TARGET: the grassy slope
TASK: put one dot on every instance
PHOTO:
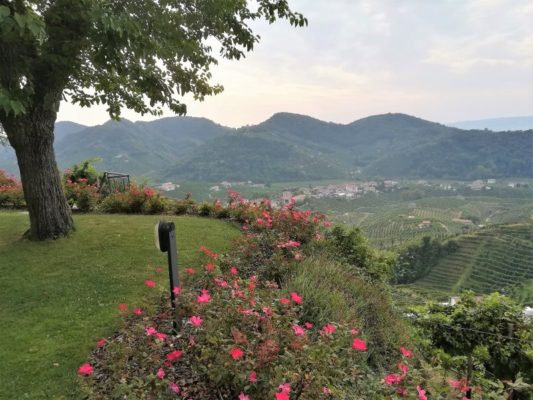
(491, 259)
(58, 298)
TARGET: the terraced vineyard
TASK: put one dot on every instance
(499, 258)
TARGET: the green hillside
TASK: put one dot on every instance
(291, 147)
(499, 258)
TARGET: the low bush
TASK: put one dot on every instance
(11, 194)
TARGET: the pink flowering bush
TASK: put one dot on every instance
(11, 194)
(135, 200)
(82, 194)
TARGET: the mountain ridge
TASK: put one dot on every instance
(289, 146)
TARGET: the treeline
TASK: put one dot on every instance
(415, 261)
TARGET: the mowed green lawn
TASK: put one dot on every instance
(57, 298)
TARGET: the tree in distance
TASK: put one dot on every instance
(137, 54)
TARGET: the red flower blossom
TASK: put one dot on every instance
(296, 298)
(289, 244)
(284, 300)
(392, 379)
(233, 271)
(421, 393)
(252, 377)
(176, 290)
(406, 353)
(359, 344)
(174, 355)
(267, 311)
(205, 297)
(137, 311)
(308, 325)
(196, 321)
(354, 332)
(150, 283)
(326, 390)
(161, 336)
(190, 271)
(174, 388)
(85, 369)
(403, 367)
(282, 396)
(298, 330)
(122, 307)
(101, 343)
(160, 373)
(329, 329)
(209, 267)
(236, 353)
(150, 331)
(243, 396)
(220, 282)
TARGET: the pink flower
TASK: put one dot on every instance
(267, 311)
(243, 396)
(174, 355)
(284, 300)
(326, 390)
(308, 325)
(161, 336)
(285, 387)
(354, 332)
(150, 283)
(282, 396)
(101, 343)
(359, 344)
(421, 393)
(173, 387)
(196, 321)
(205, 297)
(150, 331)
(160, 373)
(176, 290)
(296, 298)
(233, 271)
(329, 329)
(403, 367)
(137, 311)
(190, 271)
(85, 369)
(289, 244)
(209, 267)
(406, 353)
(298, 330)
(220, 282)
(236, 353)
(252, 377)
(122, 307)
(392, 379)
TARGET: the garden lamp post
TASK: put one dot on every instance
(165, 240)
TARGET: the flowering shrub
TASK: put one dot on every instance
(82, 194)
(136, 200)
(11, 194)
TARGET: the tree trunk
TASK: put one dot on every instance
(33, 139)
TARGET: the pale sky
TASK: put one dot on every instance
(441, 60)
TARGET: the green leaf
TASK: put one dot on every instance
(4, 12)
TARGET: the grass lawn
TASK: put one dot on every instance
(58, 298)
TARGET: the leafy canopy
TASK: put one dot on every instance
(139, 54)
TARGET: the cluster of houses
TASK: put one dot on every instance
(347, 190)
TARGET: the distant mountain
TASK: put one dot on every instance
(497, 124)
(140, 148)
(292, 147)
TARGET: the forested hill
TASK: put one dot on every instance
(295, 147)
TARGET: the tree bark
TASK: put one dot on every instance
(33, 139)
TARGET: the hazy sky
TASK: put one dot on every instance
(442, 60)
